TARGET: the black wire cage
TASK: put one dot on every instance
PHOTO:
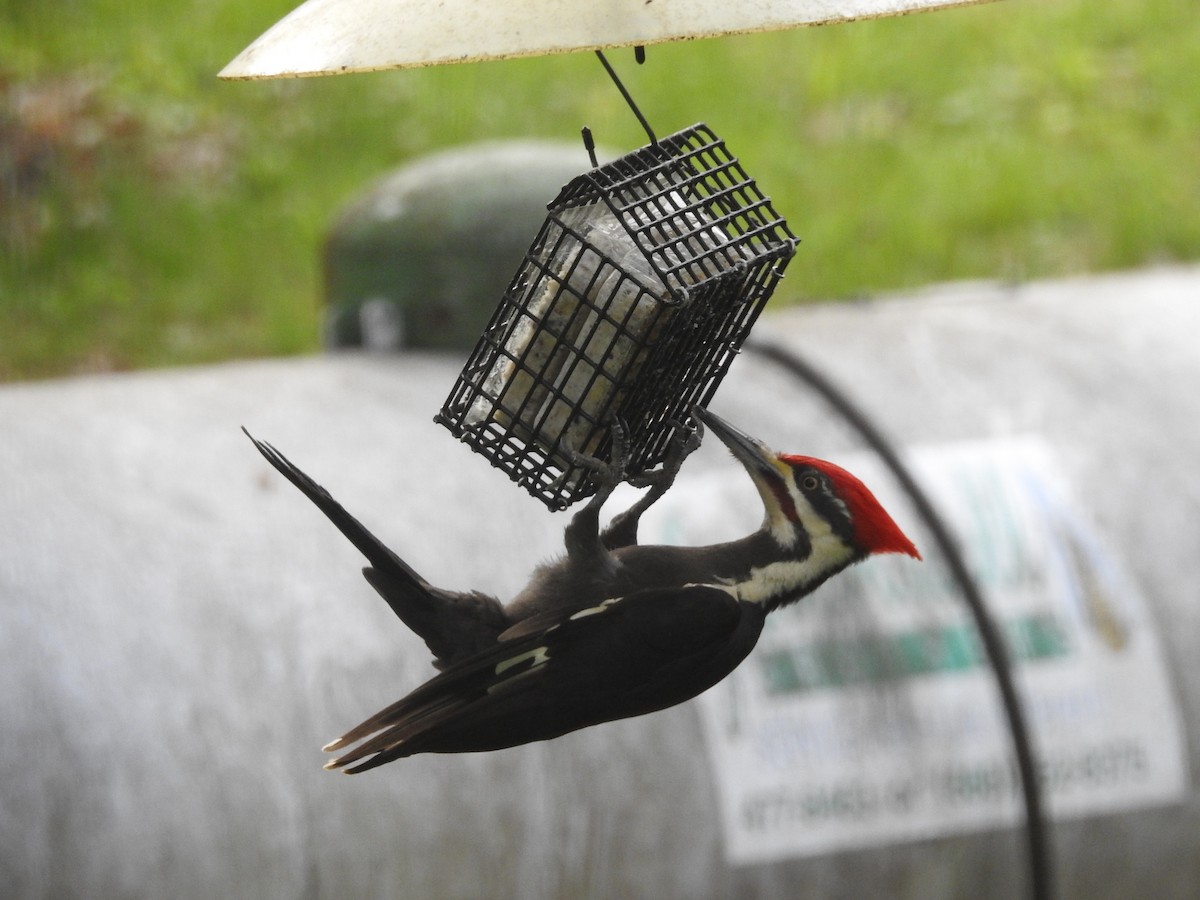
(630, 304)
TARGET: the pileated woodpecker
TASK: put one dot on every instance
(614, 628)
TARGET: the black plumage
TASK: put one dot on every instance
(614, 628)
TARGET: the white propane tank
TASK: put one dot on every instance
(181, 631)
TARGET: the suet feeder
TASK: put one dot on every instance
(630, 304)
(648, 272)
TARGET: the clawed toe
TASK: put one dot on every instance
(622, 531)
(685, 440)
(613, 472)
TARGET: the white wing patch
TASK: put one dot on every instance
(596, 610)
(539, 655)
(536, 657)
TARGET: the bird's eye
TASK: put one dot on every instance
(809, 483)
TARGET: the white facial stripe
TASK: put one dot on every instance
(777, 579)
(814, 523)
(781, 528)
(774, 580)
(841, 504)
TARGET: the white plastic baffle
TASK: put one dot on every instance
(332, 37)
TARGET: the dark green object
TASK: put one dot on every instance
(424, 255)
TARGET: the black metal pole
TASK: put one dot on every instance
(1037, 833)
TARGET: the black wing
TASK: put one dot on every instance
(565, 670)
(454, 626)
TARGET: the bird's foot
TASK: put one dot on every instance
(582, 535)
(611, 473)
(685, 440)
(622, 531)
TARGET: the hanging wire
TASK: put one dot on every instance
(628, 99)
(1037, 834)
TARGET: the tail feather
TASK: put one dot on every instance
(368, 545)
(451, 722)
(462, 709)
(394, 741)
(395, 731)
(454, 626)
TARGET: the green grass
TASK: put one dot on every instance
(151, 215)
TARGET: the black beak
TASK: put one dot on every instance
(757, 457)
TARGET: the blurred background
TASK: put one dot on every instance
(151, 215)
(180, 633)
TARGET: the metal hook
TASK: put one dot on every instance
(628, 99)
(589, 144)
